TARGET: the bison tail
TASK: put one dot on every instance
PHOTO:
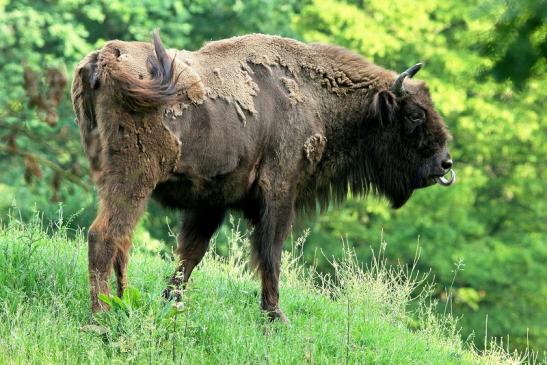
(83, 101)
(138, 94)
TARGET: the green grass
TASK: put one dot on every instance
(363, 318)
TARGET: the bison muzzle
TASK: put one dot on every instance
(265, 125)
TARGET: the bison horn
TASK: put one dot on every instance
(397, 86)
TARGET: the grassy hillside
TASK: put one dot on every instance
(364, 318)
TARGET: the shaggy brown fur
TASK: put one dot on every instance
(263, 124)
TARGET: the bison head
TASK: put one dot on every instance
(409, 145)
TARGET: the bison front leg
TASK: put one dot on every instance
(197, 229)
(270, 231)
(109, 239)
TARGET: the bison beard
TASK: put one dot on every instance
(266, 125)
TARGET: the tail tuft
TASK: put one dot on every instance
(149, 94)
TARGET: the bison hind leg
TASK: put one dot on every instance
(120, 265)
(198, 227)
(109, 240)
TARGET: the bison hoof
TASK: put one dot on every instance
(278, 315)
(172, 294)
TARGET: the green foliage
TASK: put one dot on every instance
(44, 312)
(130, 301)
(518, 44)
(484, 64)
(494, 218)
(234, 17)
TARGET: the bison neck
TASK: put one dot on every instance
(347, 166)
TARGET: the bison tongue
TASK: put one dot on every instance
(444, 182)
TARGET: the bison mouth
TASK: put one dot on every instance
(441, 180)
(399, 198)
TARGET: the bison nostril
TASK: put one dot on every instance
(446, 164)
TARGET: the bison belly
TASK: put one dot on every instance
(219, 153)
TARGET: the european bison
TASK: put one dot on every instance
(266, 125)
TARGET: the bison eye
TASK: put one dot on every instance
(413, 120)
(417, 118)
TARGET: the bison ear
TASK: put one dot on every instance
(383, 107)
